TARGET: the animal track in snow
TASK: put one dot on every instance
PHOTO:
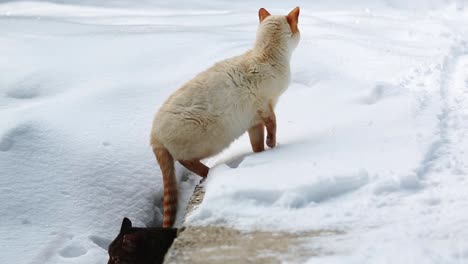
(33, 86)
(431, 201)
(9, 139)
(380, 92)
(73, 251)
(422, 83)
(333, 187)
(320, 191)
(23, 92)
(28, 88)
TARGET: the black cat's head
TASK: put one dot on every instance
(123, 249)
(135, 245)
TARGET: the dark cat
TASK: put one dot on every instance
(136, 245)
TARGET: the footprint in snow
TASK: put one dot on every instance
(305, 78)
(73, 251)
(24, 92)
(27, 88)
(432, 201)
(32, 86)
(381, 91)
(9, 139)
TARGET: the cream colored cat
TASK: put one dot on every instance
(216, 107)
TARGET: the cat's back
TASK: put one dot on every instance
(223, 92)
(224, 81)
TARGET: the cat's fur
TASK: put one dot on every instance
(213, 109)
(136, 245)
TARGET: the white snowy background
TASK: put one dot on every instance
(372, 131)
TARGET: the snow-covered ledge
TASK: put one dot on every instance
(212, 244)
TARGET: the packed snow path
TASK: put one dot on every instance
(372, 131)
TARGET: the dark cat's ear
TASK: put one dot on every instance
(129, 241)
(293, 19)
(126, 225)
(262, 14)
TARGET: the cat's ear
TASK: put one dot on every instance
(262, 14)
(293, 19)
(129, 242)
(126, 225)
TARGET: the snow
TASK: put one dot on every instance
(372, 130)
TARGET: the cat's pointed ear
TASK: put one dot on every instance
(129, 242)
(126, 225)
(262, 14)
(293, 19)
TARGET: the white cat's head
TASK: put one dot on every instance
(279, 30)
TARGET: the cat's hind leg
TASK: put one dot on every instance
(195, 166)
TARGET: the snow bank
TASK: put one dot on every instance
(364, 144)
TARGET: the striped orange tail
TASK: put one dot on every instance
(166, 162)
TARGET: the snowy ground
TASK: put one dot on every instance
(372, 132)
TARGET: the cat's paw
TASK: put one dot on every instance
(271, 141)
